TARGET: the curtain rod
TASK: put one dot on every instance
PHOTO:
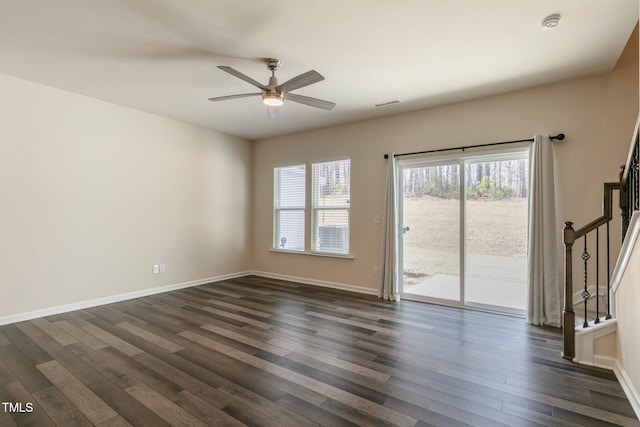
(559, 137)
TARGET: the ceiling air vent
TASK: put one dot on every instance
(384, 104)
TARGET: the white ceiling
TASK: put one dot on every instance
(160, 56)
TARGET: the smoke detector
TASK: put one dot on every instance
(550, 22)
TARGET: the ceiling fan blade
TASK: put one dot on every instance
(241, 76)
(307, 100)
(242, 95)
(304, 79)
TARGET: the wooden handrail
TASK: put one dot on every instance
(607, 210)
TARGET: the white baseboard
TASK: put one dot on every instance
(21, 317)
(323, 283)
(605, 362)
(630, 391)
(627, 386)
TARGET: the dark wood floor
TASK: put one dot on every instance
(269, 353)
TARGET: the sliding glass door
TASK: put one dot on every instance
(464, 231)
(431, 232)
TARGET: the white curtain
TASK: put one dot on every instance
(544, 299)
(389, 279)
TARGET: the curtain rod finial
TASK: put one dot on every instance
(386, 156)
(559, 137)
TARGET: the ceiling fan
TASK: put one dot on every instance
(274, 94)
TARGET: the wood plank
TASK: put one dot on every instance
(15, 392)
(112, 340)
(6, 376)
(94, 408)
(7, 421)
(185, 380)
(81, 335)
(134, 412)
(359, 386)
(4, 340)
(104, 365)
(313, 412)
(23, 369)
(244, 339)
(246, 414)
(151, 337)
(25, 345)
(60, 353)
(60, 409)
(227, 371)
(115, 422)
(327, 358)
(54, 332)
(166, 409)
(221, 370)
(140, 372)
(204, 410)
(238, 317)
(358, 416)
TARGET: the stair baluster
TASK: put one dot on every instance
(585, 292)
(597, 319)
(608, 315)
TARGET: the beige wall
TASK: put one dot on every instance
(93, 194)
(584, 161)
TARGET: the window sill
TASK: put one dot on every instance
(313, 254)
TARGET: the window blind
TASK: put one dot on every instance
(289, 207)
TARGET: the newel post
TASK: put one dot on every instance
(568, 316)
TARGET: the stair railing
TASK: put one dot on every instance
(570, 236)
(629, 187)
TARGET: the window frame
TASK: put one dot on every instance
(309, 214)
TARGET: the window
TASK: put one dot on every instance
(289, 200)
(330, 207)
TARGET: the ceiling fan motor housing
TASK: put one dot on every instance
(273, 64)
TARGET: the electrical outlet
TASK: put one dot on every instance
(156, 268)
(376, 270)
(376, 219)
(161, 268)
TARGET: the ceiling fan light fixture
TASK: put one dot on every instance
(273, 99)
